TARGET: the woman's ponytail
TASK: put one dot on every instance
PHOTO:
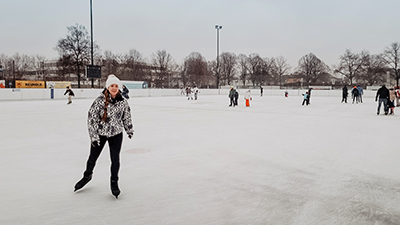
(104, 118)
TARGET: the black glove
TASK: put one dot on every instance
(95, 144)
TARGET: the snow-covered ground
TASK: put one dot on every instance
(202, 162)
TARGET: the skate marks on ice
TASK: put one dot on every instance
(369, 199)
(76, 218)
(353, 199)
(138, 150)
(262, 193)
(278, 194)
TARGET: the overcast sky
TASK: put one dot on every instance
(288, 28)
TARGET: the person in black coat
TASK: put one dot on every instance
(383, 95)
(236, 97)
(309, 96)
(70, 94)
(232, 96)
(344, 94)
(355, 93)
(125, 92)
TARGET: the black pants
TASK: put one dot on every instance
(232, 101)
(355, 97)
(114, 143)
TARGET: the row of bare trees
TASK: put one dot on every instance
(17, 66)
(370, 69)
(161, 71)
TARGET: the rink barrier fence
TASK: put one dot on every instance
(15, 94)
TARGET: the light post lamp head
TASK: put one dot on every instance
(218, 27)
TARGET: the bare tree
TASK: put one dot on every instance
(163, 67)
(133, 65)
(110, 64)
(22, 64)
(38, 65)
(351, 64)
(76, 44)
(213, 71)
(373, 70)
(6, 64)
(311, 68)
(195, 70)
(227, 65)
(243, 68)
(391, 55)
(65, 66)
(267, 72)
(255, 64)
(281, 68)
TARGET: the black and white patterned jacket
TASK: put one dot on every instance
(118, 117)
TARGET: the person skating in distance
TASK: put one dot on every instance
(248, 98)
(70, 95)
(108, 117)
(305, 98)
(231, 96)
(125, 92)
(383, 95)
(345, 93)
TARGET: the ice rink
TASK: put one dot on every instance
(202, 162)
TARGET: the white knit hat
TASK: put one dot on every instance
(112, 79)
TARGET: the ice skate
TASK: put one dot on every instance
(82, 182)
(114, 188)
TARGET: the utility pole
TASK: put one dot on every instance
(13, 65)
(218, 28)
(91, 38)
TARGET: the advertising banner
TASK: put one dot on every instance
(29, 84)
(58, 84)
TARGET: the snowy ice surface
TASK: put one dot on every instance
(202, 162)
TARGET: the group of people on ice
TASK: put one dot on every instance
(234, 96)
(306, 97)
(110, 115)
(387, 97)
(383, 96)
(190, 92)
(356, 93)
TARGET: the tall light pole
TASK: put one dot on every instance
(13, 69)
(91, 38)
(218, 28)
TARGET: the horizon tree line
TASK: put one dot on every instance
(161, 71)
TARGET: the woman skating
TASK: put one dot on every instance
(108, 117)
